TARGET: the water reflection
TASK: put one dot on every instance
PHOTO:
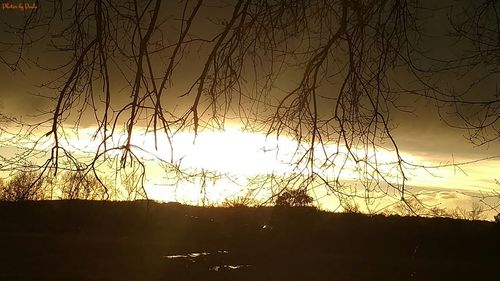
(190, 255)
(228, 267)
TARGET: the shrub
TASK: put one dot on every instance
(239, 201)
(294, 198)
(350, 206)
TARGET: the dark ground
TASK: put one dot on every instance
(83, 240)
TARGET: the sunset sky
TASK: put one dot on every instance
(243, 149)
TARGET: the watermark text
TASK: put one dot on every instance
(22, 6)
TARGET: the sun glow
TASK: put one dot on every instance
(230, 151)
(223, 164)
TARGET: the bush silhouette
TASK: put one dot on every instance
(294, 198)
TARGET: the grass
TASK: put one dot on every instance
(98, 240)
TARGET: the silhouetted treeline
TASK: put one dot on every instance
(32, 185)
(69, 185)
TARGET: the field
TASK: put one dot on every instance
(98, 240)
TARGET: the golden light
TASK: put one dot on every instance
(224, 161)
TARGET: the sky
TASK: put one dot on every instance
(423, 136)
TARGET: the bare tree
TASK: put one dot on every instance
(22, 186)
(132, 185)
(343, 58)
(78, 185)
(473, 106)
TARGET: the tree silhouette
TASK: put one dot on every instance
(77, 185)
(294, 198)
(25, 185)
(131, 66)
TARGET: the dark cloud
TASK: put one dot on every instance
(422, 133)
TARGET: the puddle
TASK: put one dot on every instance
(228, 267)
(193, 255)
(175, 256)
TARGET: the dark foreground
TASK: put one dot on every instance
(79, 240)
